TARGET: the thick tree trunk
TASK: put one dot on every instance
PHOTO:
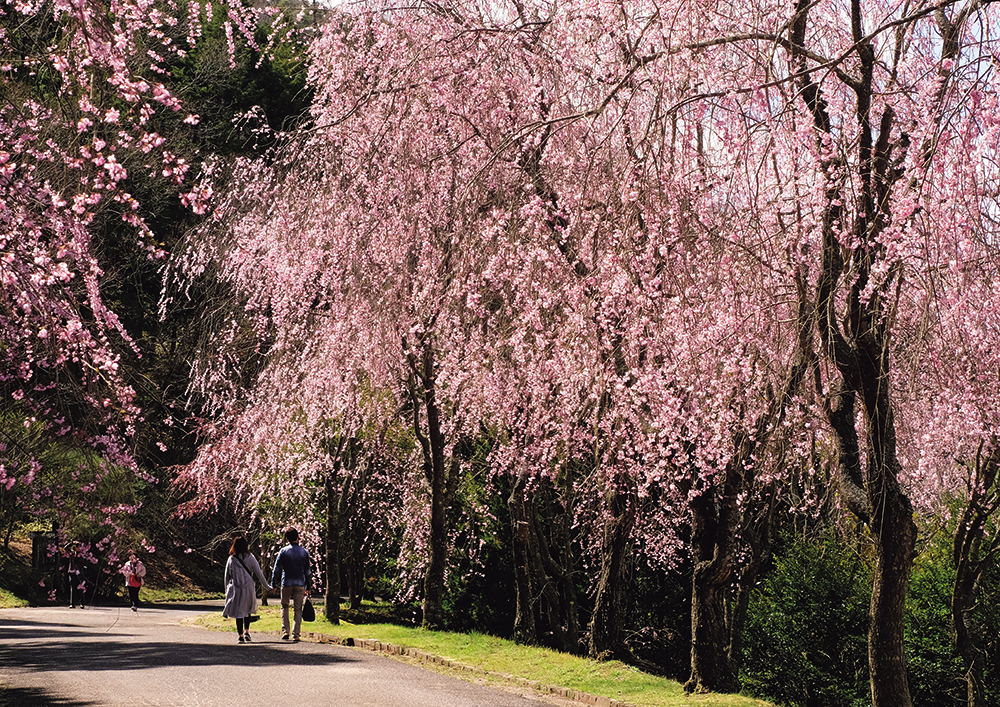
(896, 543)
(882, 503)
(962, 600)
(569, 619)
(437, 549)
(970, 557)
(525, 631)
(893, 527)
(712, 552)
(715, 516)
(757, 537)
(711, 669)
(605, 624)
(545, 605)
(874, 495)
(553, 560)
(442, 475)
(333, 532)
(341, 500)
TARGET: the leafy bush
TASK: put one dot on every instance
(934, 671)
(806, 632)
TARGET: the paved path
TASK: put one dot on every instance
(106, 657)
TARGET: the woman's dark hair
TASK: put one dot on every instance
(240, 546)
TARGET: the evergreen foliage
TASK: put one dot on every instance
(808, 621)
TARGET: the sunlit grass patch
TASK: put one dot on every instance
(503, 658)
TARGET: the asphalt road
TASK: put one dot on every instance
(109, 656)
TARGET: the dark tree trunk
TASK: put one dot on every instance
(555, 555)
(879, 500)
(437, 558)
(874, 495)
(605, 624)
(963, 598)
(333, 533)
(970, 558)
(720, 523)
(545, 605)
(756, 536)
(876, 498)
(896, 545)
(359, 539)
(713, 546)
(525, 630)
(442, 477)
(342, 491)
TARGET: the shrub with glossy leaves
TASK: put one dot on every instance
(806, 631)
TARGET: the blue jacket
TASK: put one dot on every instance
(291, 567)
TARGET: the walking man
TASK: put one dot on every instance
(291, 569)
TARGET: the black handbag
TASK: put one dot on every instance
(308, 612)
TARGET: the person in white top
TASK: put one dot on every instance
(134, 571)
(241, 595)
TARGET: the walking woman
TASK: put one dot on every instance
(134, 571)
(241, 594)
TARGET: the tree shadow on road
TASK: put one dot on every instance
(43, 647)
(31, 697)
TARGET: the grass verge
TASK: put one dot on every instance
(501, 661)
(13, 575)
(10, 601)
(153, 595)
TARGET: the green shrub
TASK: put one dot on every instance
(934, 670)
(936, 673)
(806, 632)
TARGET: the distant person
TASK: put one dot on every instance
(76, 580)
(241, 593)
(291, 569)
(134, 572)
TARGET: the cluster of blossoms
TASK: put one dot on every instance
(84, 92)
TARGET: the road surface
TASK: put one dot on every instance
(111, 657)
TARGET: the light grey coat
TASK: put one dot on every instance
(241, 595)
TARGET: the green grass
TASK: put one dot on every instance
(153, 595)
(10, 601)
(501, 659)
(15, 579)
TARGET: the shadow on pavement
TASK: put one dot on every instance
(28, 697)
(37, 648)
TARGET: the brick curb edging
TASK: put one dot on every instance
(375, 646)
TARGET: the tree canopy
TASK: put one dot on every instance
(662, 268)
